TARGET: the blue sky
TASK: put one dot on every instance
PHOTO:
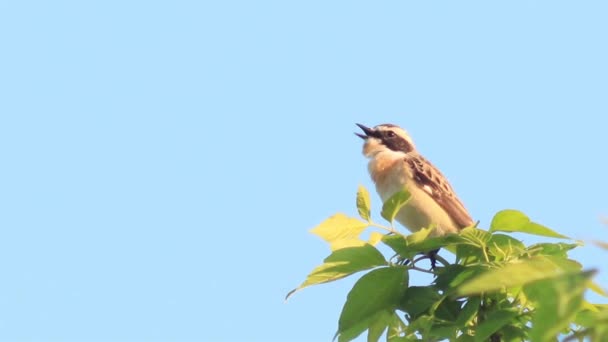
(164, 161)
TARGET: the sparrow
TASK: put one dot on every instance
(395, 164)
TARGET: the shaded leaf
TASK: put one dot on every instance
(516, 221)
(396, 330)
(443, 331)
(379, 325)
(448, 309)
(379, 290)
(341, 231)
(493, 322)
(469, 311)
(468, 254)
(342, 263)
(452, 276)
(421, 325)
(397, 243)
(363, 203)
(418, 300)
(514, 333)
(391, 207)
(357, 329)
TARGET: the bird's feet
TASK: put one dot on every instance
(432, 256)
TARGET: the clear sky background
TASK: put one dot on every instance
(162, 162)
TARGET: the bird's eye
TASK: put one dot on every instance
(390, 134)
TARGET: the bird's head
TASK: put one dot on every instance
(385, 137)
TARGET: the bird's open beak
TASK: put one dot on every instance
(369, 132)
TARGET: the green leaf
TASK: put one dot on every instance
(357, 329)
(397, 330)
(418, 300)
(418, 242)
(557, 300)
(514, 333)
(493, 322)
(422, 325)
(378, 325)
(557, 249)
(443, 331)
(452, 276)
(391, 207)
(342, 263)
(517, 273)
(397, 243)
(363, 203)
(341, 231)
(448, 309)
(516, 221)
(472, 245)
(469, 311)
(503, 247)
(475, 237)
(377, 291)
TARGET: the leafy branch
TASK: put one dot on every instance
(497, 289)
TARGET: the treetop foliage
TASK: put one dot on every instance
(497, 289)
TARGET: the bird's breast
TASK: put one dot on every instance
(389, 175)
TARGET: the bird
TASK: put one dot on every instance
(394, 165)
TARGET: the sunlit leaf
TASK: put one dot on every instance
(432, 243)
(503, 247)
(557, 249)
(475, 237)
(493, 322)
(363, 203)
(557, 301)
(416, 243)
(374, 238)
(591, 315)
(342, 263)
(391, 207)
(340, 231)
(379, 290)
(593, 286)
(419, 236)
(516, 221)
(518, 273)
(346, 243)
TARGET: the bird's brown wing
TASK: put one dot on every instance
(432, 182)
